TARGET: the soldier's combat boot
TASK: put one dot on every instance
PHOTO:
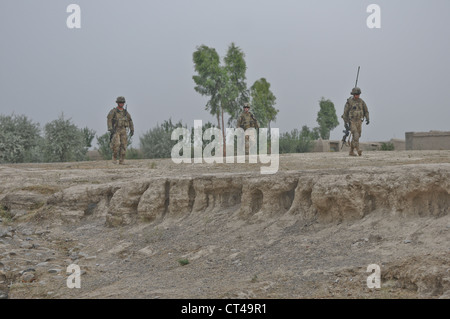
(351, 153)
(359, 152)
(114, 159)
(121, 160)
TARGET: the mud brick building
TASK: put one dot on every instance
(433, 140)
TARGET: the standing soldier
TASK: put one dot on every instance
(245, 121)
(355, 111)
(118, 121)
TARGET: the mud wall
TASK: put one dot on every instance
(321, 195)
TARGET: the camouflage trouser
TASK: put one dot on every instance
(119, 143)
(250, 139)
(355, 128)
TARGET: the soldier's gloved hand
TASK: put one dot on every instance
(367, 122)
(131, 133)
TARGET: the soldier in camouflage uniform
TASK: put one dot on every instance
(118, 121)
(245, 121)
(355, 111)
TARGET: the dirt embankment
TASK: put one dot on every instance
(156, 229)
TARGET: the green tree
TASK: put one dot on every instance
(20, 139)
(297, 141)
(209, 79)
(64, 141)
(133, 153)
(389, 146)
(326, 118)
(238, 94)
(157, 142)
(88, 136)
(224, 84)
(263, 102)
(104, 146)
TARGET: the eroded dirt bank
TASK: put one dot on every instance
(308, 231)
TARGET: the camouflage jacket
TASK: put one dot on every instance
(355, 109)
(118, 119)
(247, 120)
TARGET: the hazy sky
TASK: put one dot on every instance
(142, 49)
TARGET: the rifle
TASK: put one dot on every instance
(357, 75)
(347, 133)
(111, 133)
(126, 110)
(255, 121)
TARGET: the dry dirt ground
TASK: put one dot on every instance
(156, 229)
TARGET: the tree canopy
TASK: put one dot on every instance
(263, 102)
(326, 118)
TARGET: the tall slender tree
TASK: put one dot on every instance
(263, 102)
(326, 118)
(224, 84)
(209, 78)
(238, 93)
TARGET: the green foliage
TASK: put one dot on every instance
(21, 142)
(5, 215)
(314, 133)
(209, 78)
(387, 146)
(237, 93)
(64, 141)
(88, 136)
(263, 101)
(19, 139)
(156, 142)
(103, 146)
(224, 84)
(183, 261)
(326, 118)
(133, 153)
(297, 141)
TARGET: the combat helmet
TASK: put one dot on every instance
(246, 105)
(120, 99)
(356, 91)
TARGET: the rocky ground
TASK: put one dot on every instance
(156, 229)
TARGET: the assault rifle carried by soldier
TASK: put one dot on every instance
(118, 121)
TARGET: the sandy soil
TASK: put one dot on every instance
(217, 253)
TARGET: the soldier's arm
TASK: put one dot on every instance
(366, 111)
(345, 115)
(256, 122)
(109, 120)
(130, 121)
